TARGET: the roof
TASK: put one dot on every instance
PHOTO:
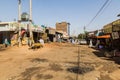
(7, 22)
(115, 25)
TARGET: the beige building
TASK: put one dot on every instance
(63, 26)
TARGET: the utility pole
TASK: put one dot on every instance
(19, 20)
(30, 23)
(85, 31)
(30, 11)
(68, 29)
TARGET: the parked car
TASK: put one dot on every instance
(82, 42)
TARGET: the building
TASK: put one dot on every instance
(10, 31)
(63, 26)
(51, 34)
(7, 31)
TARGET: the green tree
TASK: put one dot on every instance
(81, 36)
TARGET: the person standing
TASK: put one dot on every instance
(6, 42)
(90, 45)
(41, 41)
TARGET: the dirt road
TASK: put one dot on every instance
(57, 61)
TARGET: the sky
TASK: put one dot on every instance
(78, 13)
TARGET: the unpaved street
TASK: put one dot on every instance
(57, 61)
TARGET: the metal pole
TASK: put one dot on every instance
(30, 23)
(30, 10)
(19, 20)
(19, 10)
(68, 29)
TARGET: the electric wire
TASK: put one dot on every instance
(106, 7)
(106, 2)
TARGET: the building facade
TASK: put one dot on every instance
(63, 26)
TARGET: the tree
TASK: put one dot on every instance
(81, 36)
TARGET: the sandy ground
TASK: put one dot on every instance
(57, 61)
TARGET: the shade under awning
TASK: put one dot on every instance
(104, 36)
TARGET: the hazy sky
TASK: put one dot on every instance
(77, 12)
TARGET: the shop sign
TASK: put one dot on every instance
(115, 35)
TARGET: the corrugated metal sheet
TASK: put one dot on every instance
(117, 22)
(114, 26)
(108, 28)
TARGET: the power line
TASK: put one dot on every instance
(98, 12)
(106, 6)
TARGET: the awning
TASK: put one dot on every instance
(104, 36)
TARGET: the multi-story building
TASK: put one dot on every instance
(63, 26)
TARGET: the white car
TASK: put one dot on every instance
(82, 41)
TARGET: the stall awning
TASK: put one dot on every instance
(104, 36)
